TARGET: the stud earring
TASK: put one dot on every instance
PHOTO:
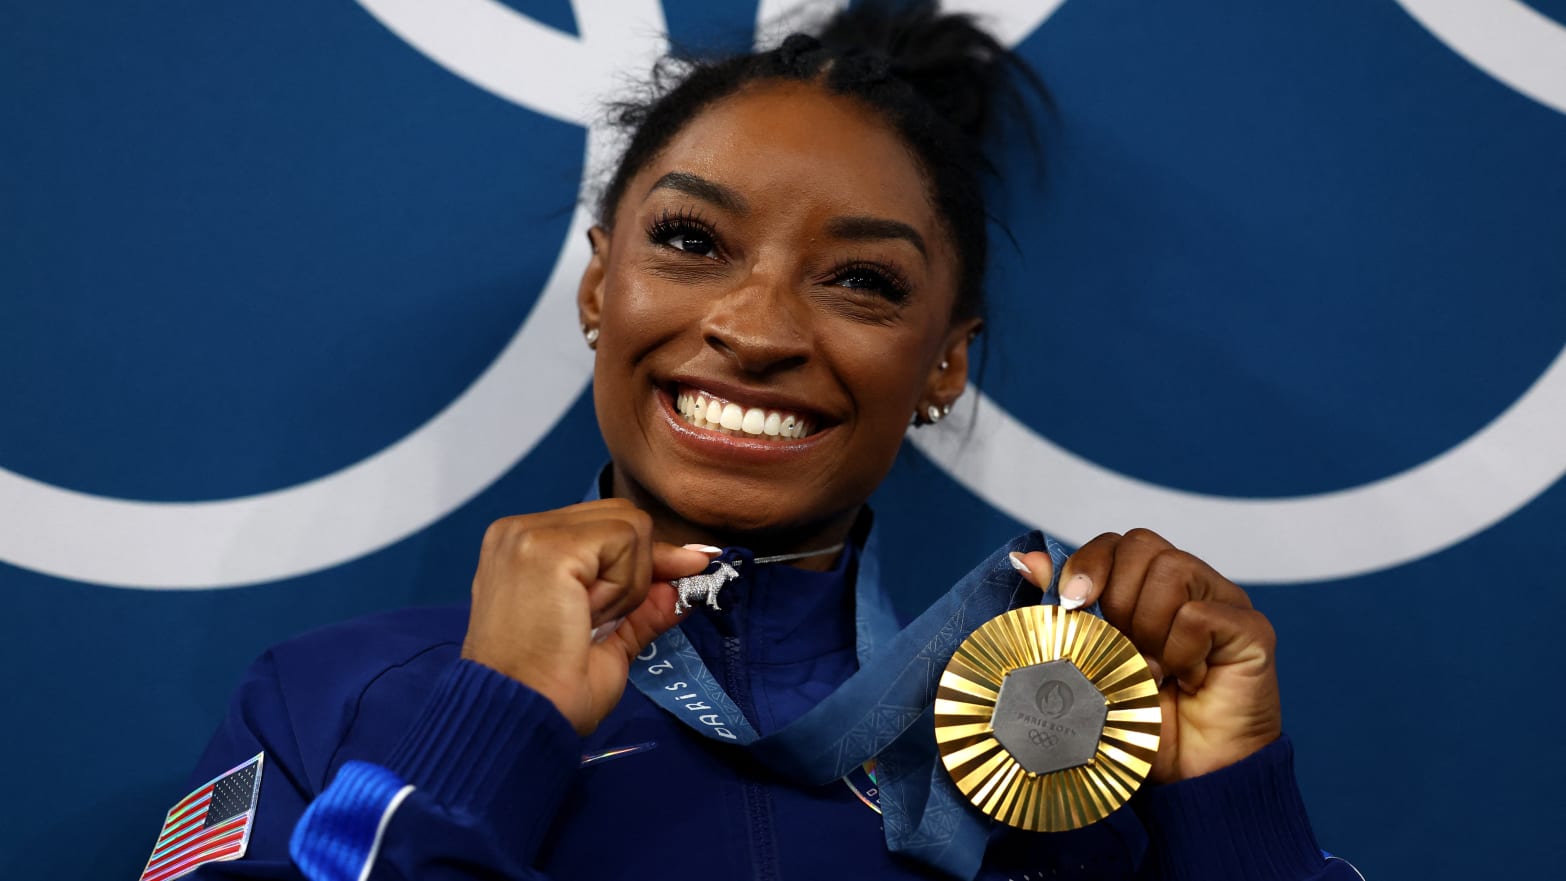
(591, 335)
(933, 414)
(945, 364)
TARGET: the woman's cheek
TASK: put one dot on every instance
(655, 306)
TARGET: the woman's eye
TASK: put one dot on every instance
(860, 278)
(684, 233)
(692, 242)
(872, 281)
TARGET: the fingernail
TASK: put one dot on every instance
(602, 631)
(1016, 562)
(1155, 669)
(706, 549)
(1075, 593)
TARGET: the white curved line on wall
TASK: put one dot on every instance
(1510, 41)
(1375, 526)
(528, 63)
(1010, 20)
(379, 500)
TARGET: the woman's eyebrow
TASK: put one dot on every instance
(701, 188)
(871, 228)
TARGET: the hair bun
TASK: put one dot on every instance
(796, 48)
(959, 68)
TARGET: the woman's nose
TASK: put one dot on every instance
(759, 326)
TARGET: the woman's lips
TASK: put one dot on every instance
(709, 411)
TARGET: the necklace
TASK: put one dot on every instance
(783, 558)
(707, 584)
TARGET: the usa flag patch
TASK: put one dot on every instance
(209, 825)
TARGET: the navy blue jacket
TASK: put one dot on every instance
(388, 756)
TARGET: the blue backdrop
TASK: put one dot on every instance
(285, 322)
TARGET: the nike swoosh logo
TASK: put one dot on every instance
(617, 752)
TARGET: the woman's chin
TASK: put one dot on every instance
(741, 514)
(737, 520)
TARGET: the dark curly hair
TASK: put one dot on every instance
(936, 78)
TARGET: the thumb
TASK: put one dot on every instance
(639, 627)
(647, 621)
(669, 562)
(1036, 566)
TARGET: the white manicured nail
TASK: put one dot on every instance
(706, 549)
(1075, 592)
(602, 631)
(1016, 562)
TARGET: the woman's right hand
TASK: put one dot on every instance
(544, 581)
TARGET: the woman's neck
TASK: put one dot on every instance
(669, 526)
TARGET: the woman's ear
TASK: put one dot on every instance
(590, 293)
(949, 376)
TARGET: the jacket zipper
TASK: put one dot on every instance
(758, 804)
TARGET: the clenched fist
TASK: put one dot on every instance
(1210, 651)
(545, 581)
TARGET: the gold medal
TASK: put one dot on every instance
(1047, 720)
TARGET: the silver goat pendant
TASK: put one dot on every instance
(693, 588)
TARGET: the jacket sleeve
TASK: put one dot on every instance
(1246, 821)
(467, 793)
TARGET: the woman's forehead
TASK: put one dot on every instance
(794, 142)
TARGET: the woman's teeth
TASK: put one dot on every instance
(707, 411)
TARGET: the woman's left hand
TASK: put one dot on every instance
(1211, 652)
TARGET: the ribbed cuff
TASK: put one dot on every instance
(1246, 821)
(486, 743)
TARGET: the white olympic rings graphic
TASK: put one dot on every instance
(481, 435)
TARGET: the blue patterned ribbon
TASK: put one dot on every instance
(883, 711)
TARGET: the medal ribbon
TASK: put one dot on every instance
(883, 711)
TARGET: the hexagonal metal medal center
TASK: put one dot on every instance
(1049, 717)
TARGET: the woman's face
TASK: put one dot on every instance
(779, 270)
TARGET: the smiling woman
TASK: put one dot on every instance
(770, 260)
(786, 272)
